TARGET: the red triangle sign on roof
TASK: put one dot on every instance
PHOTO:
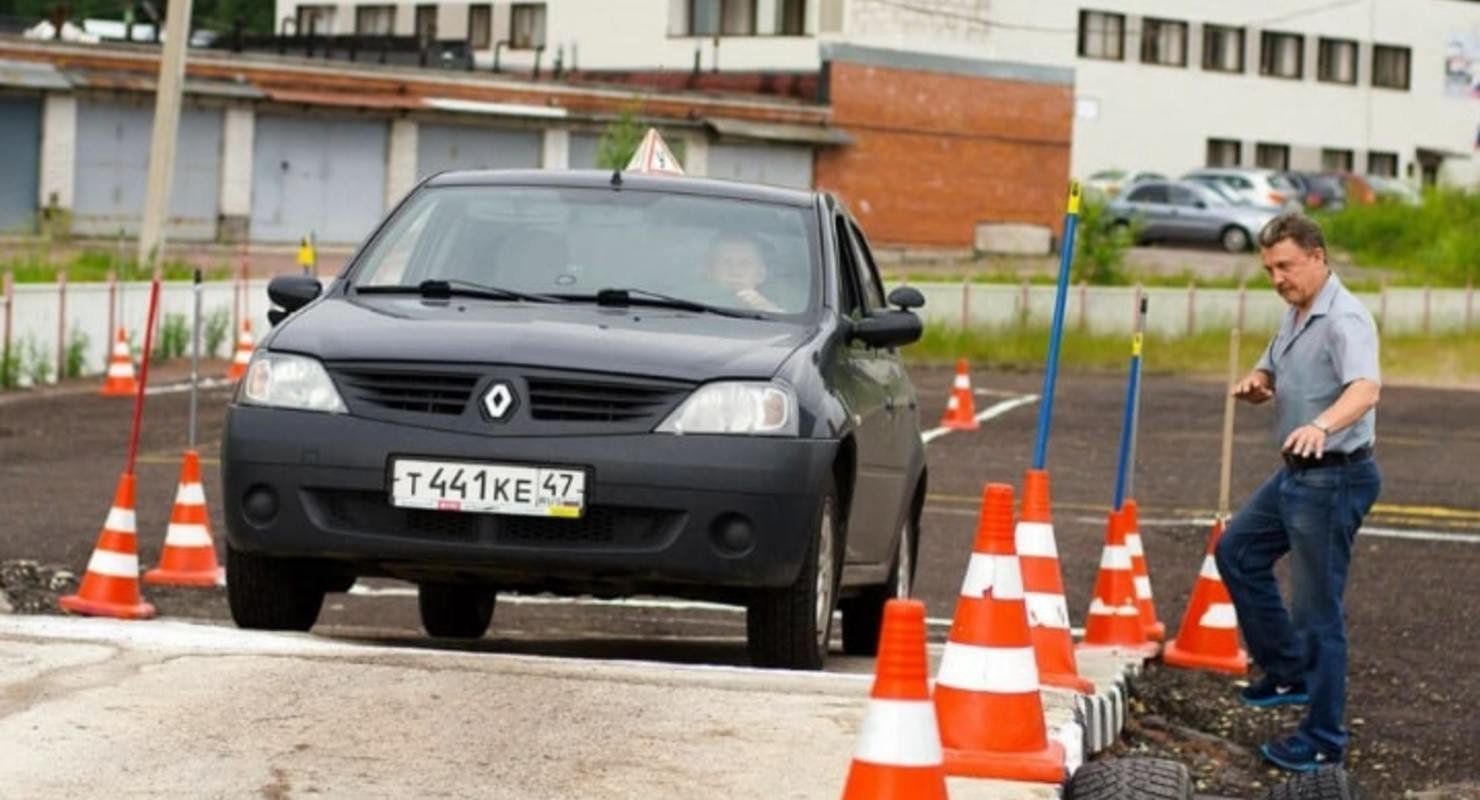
(653, 155)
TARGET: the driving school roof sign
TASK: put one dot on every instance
(653, 155)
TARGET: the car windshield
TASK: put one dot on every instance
(575, 242)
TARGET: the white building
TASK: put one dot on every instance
(1383, 86)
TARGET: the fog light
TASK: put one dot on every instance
(260, 505)
(732, 534)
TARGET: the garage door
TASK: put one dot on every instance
(778, 165)
(444, 147)
(20, 141)
(112, 170)
(317, 176)
(583, 148)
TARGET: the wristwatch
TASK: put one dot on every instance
(1320, 426)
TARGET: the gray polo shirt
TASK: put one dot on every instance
(1334, 345)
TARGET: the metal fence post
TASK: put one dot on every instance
(61, 323)
(1191, 309)
(1023, 310)
(8, 284)
(965, 303)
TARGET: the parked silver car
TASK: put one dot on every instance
(1257, 187)
(1188, 211)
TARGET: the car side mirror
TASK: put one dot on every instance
(888, 328)
(906, 298)
(292, 292)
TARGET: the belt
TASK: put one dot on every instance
(1329, 459)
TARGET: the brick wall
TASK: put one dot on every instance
(938, 153)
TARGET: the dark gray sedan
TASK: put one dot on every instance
(1187, 211)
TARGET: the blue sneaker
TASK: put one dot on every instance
(1297, 754)
(1268, 693)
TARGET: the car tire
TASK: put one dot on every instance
(1333, 783)
(788, 628)
(455, 611)
(272, 594)
(863, 614)
(1130, 779)
(1234, 239)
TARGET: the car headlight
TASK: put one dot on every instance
(287, 381)
(734, 407)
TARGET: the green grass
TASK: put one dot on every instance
(1447, 358)
(1437, 243)
(93, 265)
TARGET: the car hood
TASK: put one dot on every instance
(580, 336)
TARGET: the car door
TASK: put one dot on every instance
(1150, 205)
(1192, 219)
(864, 386)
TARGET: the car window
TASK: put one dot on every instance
(850, 293)
(1182, 196)
(868, 271)
(731, 253)
(1239, 182)
(1221, 194)
(1149, 194)
(1281, 182)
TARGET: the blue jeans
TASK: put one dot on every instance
(1313, 514)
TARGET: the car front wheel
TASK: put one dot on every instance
(272, 594)
(789, 627)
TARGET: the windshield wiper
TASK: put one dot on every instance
(644, 297)
(442, 289)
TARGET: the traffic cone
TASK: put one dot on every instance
(120, 381)
(1155, 630)
(961, 409)
(110, 588)
(986, 693)
(1114, 621)
(1209, 635)
(1043, 585)
(243, 353)
(898, 756)
(189, 556)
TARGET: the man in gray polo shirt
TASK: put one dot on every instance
(1322, 371)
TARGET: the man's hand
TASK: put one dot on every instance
(1255, 388)
(1306, 441)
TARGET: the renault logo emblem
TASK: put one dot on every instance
(498, 401)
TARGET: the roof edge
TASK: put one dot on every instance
(951, 65)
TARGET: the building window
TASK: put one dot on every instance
(426, 24)
(1102, 35)
(1334, 160)
(375, 20)
(1223, 152)
(722, 17)
(1272, 156)
(1385, 164)
(480, 26)
(526, 26)
(1163, 41)
(1336, 61)
(314, 21)
(793, 18)
(1390, 66)
(1282, 55)
(1223, 49)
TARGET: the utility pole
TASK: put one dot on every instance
(166, 128)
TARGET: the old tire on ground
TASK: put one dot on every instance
(272, 594)
(1328, 784)
(789, 627)
(863, 614)
(453, 611)
(1130, 779)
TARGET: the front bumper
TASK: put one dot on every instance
(660, 515)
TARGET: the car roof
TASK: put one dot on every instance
(599, 178)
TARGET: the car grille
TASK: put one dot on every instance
(612, 527)
(444, 393)
(585, 400)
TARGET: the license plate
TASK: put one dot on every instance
(488, 488)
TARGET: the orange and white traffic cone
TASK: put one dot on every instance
(1209, 635)
(987, 693)
(243, 354)
(189, 556)
(1043, 587)
(1155, 630)
(961, 408)
(120, 381)
(898, 756)
(1114, 620)
(110, 587)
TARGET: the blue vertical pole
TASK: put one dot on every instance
(1056, 333)
(1132, 412)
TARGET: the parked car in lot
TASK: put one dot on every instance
(1187, 211)
(1318, 192)
(1394, 190)
(1111, 182)
(1258, 187)
(581, 383)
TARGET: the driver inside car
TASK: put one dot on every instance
(737, 266)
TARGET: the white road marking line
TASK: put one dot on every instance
(991, 412)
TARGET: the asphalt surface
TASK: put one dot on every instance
(1413, 660)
